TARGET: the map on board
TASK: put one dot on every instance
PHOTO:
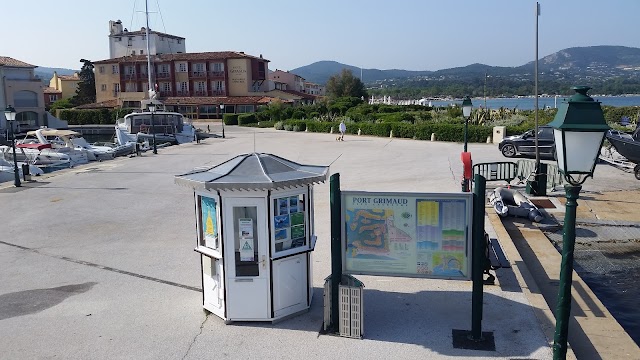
(406, 235)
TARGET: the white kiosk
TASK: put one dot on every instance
(255, 235)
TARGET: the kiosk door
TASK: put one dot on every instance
(246, 243)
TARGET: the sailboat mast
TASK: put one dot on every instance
(146, 12)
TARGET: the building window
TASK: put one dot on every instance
(25, 98)
(103, 87)
(182, 67)
(218, 85)
(101, 69)
(141, 52)
(201, 86)
(118, 39)
(115, 69)
(130, 70)
(217, 67)
(179, 41)
(199, 68)
(164, 68)
(53, 98)
(131, 87)
(245, 109)
(166, 86)
(116, 88)
(182, 86)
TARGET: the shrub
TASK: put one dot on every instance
(245, 119)
(230, 119)
(279, 125)
(288, 127)
(296, 128)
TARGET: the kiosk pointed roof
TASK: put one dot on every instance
(256, 171)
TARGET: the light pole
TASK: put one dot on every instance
(10, 115)
(465, 156)
(222, 118)
(579, 129)
(152, 108)
(466, 113)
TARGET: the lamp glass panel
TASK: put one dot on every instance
(582, 149)
(559, 143)
(466, 111)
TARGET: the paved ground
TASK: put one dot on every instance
(98, 261)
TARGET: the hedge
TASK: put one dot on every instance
(92, 117)
(244, 119)
(230, 119)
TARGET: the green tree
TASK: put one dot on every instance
(345, 85)
(61, 104)
(86, 92)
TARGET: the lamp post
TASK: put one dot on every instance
(222, 118)
(579, 129)
(465, 156)
(10, 115)
(466, 113)
(152, 109)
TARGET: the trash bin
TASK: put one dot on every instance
(26, 174)
(351, 309)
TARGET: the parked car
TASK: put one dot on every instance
(525, 144)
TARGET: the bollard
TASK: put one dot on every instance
(331, 131)
(488, 139)
(391, 134)
(359, 132)
(26, 173)
(433, 136)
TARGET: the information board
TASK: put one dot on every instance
(405, 234)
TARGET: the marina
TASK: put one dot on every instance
(118, 292)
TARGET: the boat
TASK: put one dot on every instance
(628, 146)
(167, 126)
(40, 155)
(99, 152)
(153, 126)
(60, 141)
(7, 170)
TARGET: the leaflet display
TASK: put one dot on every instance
(415, 235)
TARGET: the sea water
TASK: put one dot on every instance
(528, 103)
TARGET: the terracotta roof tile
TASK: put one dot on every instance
(8, 61)
(301, 94)
(50, 90)
(217, 55)
(212, 100)
(69, 77)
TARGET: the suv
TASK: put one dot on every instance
(525, 144)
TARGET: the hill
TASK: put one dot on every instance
(46, 73)
(593, 64)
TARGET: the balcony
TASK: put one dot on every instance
(217, 93)
(165, 93)
(198, 74)
(131, 76)
(163, 75)
(200, 93)
(183, 93)
(216, 74)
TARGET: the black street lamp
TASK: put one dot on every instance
(579, 130)
(466, 113)
(10, 115)
(465, 156)
(222, 118)
(152, 108)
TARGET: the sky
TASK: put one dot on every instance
(373, 34)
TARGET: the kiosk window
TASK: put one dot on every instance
(289, 222)
(208, 223)
(245, 222)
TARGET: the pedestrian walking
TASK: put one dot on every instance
(208, 129)
(343, 129)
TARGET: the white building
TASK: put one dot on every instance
(125, 43)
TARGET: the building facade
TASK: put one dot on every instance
(20, 88)
(51, 95)
(66, 84)
(293, 81)
(123, 42)
(188, 79)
